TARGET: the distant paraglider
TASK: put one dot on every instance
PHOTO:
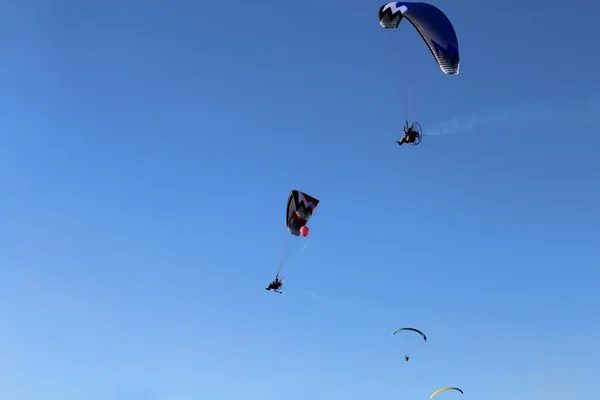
(439, 35)
(406, 356)
(299, 210)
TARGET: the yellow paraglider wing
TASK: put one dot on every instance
(443, 390)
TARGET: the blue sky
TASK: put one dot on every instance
(146, 153)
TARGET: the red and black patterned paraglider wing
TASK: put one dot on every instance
(300, 208)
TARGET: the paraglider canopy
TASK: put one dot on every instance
(300, 208)
(443, 390)
(410, 329)
(432, 24)
(406, 356)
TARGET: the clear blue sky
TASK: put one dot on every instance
(147, 150)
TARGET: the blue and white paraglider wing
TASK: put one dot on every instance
(433, 26)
